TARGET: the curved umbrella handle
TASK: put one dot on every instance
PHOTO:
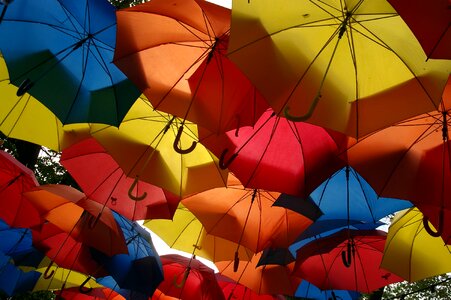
(48, 273)
(84, 290)
(236, 262)
(346, 256)
(177, 140)
(185, 277)
(24, 87)
(224, 165)
(440, 225)
(286, 111)
(130, 191)
(59, 295)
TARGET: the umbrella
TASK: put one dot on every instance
(175, 52)
(188, 278)
(263, 280)
(62, 278)
(234, 290)
(13, 280)
(143, 148)
(410, 252)
(411, 160)
(95, 294)
(65, 250)
(15, 179)
(186, 233)
(61, 53)
(433, 32)
(109, 282)
(346, 198)
(26, 118)
(85, 220)
(279, 155)
(306, 290)
(140, 269)
(351, 66)
(15, 242)
(358, 268)
(102, 180)
(247, 217)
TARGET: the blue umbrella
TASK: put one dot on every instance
(13, 280)
(61, 52)
(346, 199)
(15, 242)
(306, 290)
(140, 270)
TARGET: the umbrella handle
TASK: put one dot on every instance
(84, 290)
(177, 140)
(185, 277)
(346, 256)
(48, 273)
(429, 229)
(130, 191)
(224, 165)
(305, 117)
(236, 262)
(58, 296)
(24, 87)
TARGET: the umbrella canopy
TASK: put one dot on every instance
(263, 280)
(411, 160)
(352, 66)
(143, 148)
(433, 31)
(61, 52)
(247, 217)
(358, 269)
(13, 280)
(346, 198)
(98, 293)
(65, 251)
(188, 278)
(103, 180)
(186, 233)
(411, 252)
(15, 242)
(26, 118)
(141, 269)
(175, 52)
(84, 219)
(15, 179)
(279, 155)
(234, 290)
(306, 290)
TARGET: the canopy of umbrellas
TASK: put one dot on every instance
(272, 138)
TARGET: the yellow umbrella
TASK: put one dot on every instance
(149, 146)
(25, 118)
(352, 66)
(186, 233)
(410, 252)
(62, 278)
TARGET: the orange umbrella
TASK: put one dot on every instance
(175, 52)
(247, 217)
(84, 219)
(412, 160)
(266, 279)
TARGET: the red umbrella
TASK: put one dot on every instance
(235, 290)
(85, 220)
(411, 160)
(188, 278)
(15, 179)
(175, 52)
(103, 180)
(262, 279)
(279, 155)
(430, 22)
(65, 251)
(346, 260)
